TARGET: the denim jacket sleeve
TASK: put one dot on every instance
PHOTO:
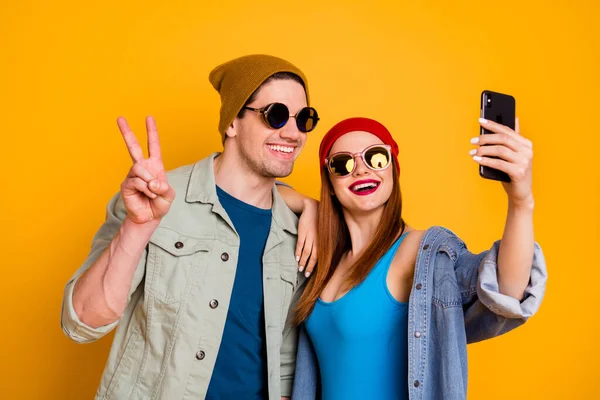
(72, 326)
(306, 381)
(487, 312)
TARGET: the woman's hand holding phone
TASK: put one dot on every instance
(507, 151)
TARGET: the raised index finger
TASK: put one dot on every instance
(135, 151)
(153, 141)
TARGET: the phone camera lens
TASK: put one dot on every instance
(489, 101)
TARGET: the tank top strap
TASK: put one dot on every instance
(383, 265)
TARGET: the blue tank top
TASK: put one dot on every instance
(361, 339)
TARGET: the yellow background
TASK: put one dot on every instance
(69, 68)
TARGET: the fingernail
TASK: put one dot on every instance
(297, 258)
(472, 152)
(301, 268)
(477, 158)
(307, 274)
(154, 185)
(483, 121)
(475, 140)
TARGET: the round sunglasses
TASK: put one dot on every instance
(276, 115)
(376, 157)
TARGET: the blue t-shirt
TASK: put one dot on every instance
(241, 368)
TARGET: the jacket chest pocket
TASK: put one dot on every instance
(446, 293)
(288, 285)
(175, 264)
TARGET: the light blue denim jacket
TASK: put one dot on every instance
(454, 301)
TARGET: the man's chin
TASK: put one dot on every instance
(280, 171)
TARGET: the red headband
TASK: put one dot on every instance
(357, 124)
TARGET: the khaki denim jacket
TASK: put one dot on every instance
(167, 341)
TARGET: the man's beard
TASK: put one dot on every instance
(266, 168)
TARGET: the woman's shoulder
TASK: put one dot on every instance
(413, 236)
(432, 238)
(408, 249)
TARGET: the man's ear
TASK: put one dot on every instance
(232, 130)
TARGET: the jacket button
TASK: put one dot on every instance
(200, 355)
(419, 286)
(224, 256)
(425, 247)
(178, 245)
(213, 304)
(416, 383)
(417, 334)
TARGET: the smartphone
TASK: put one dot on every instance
(500, 108)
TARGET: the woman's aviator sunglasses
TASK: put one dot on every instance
(376, 157)
(276, 115)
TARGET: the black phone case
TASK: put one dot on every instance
(500, 108)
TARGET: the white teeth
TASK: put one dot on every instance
(282, 149)
(364, 185)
